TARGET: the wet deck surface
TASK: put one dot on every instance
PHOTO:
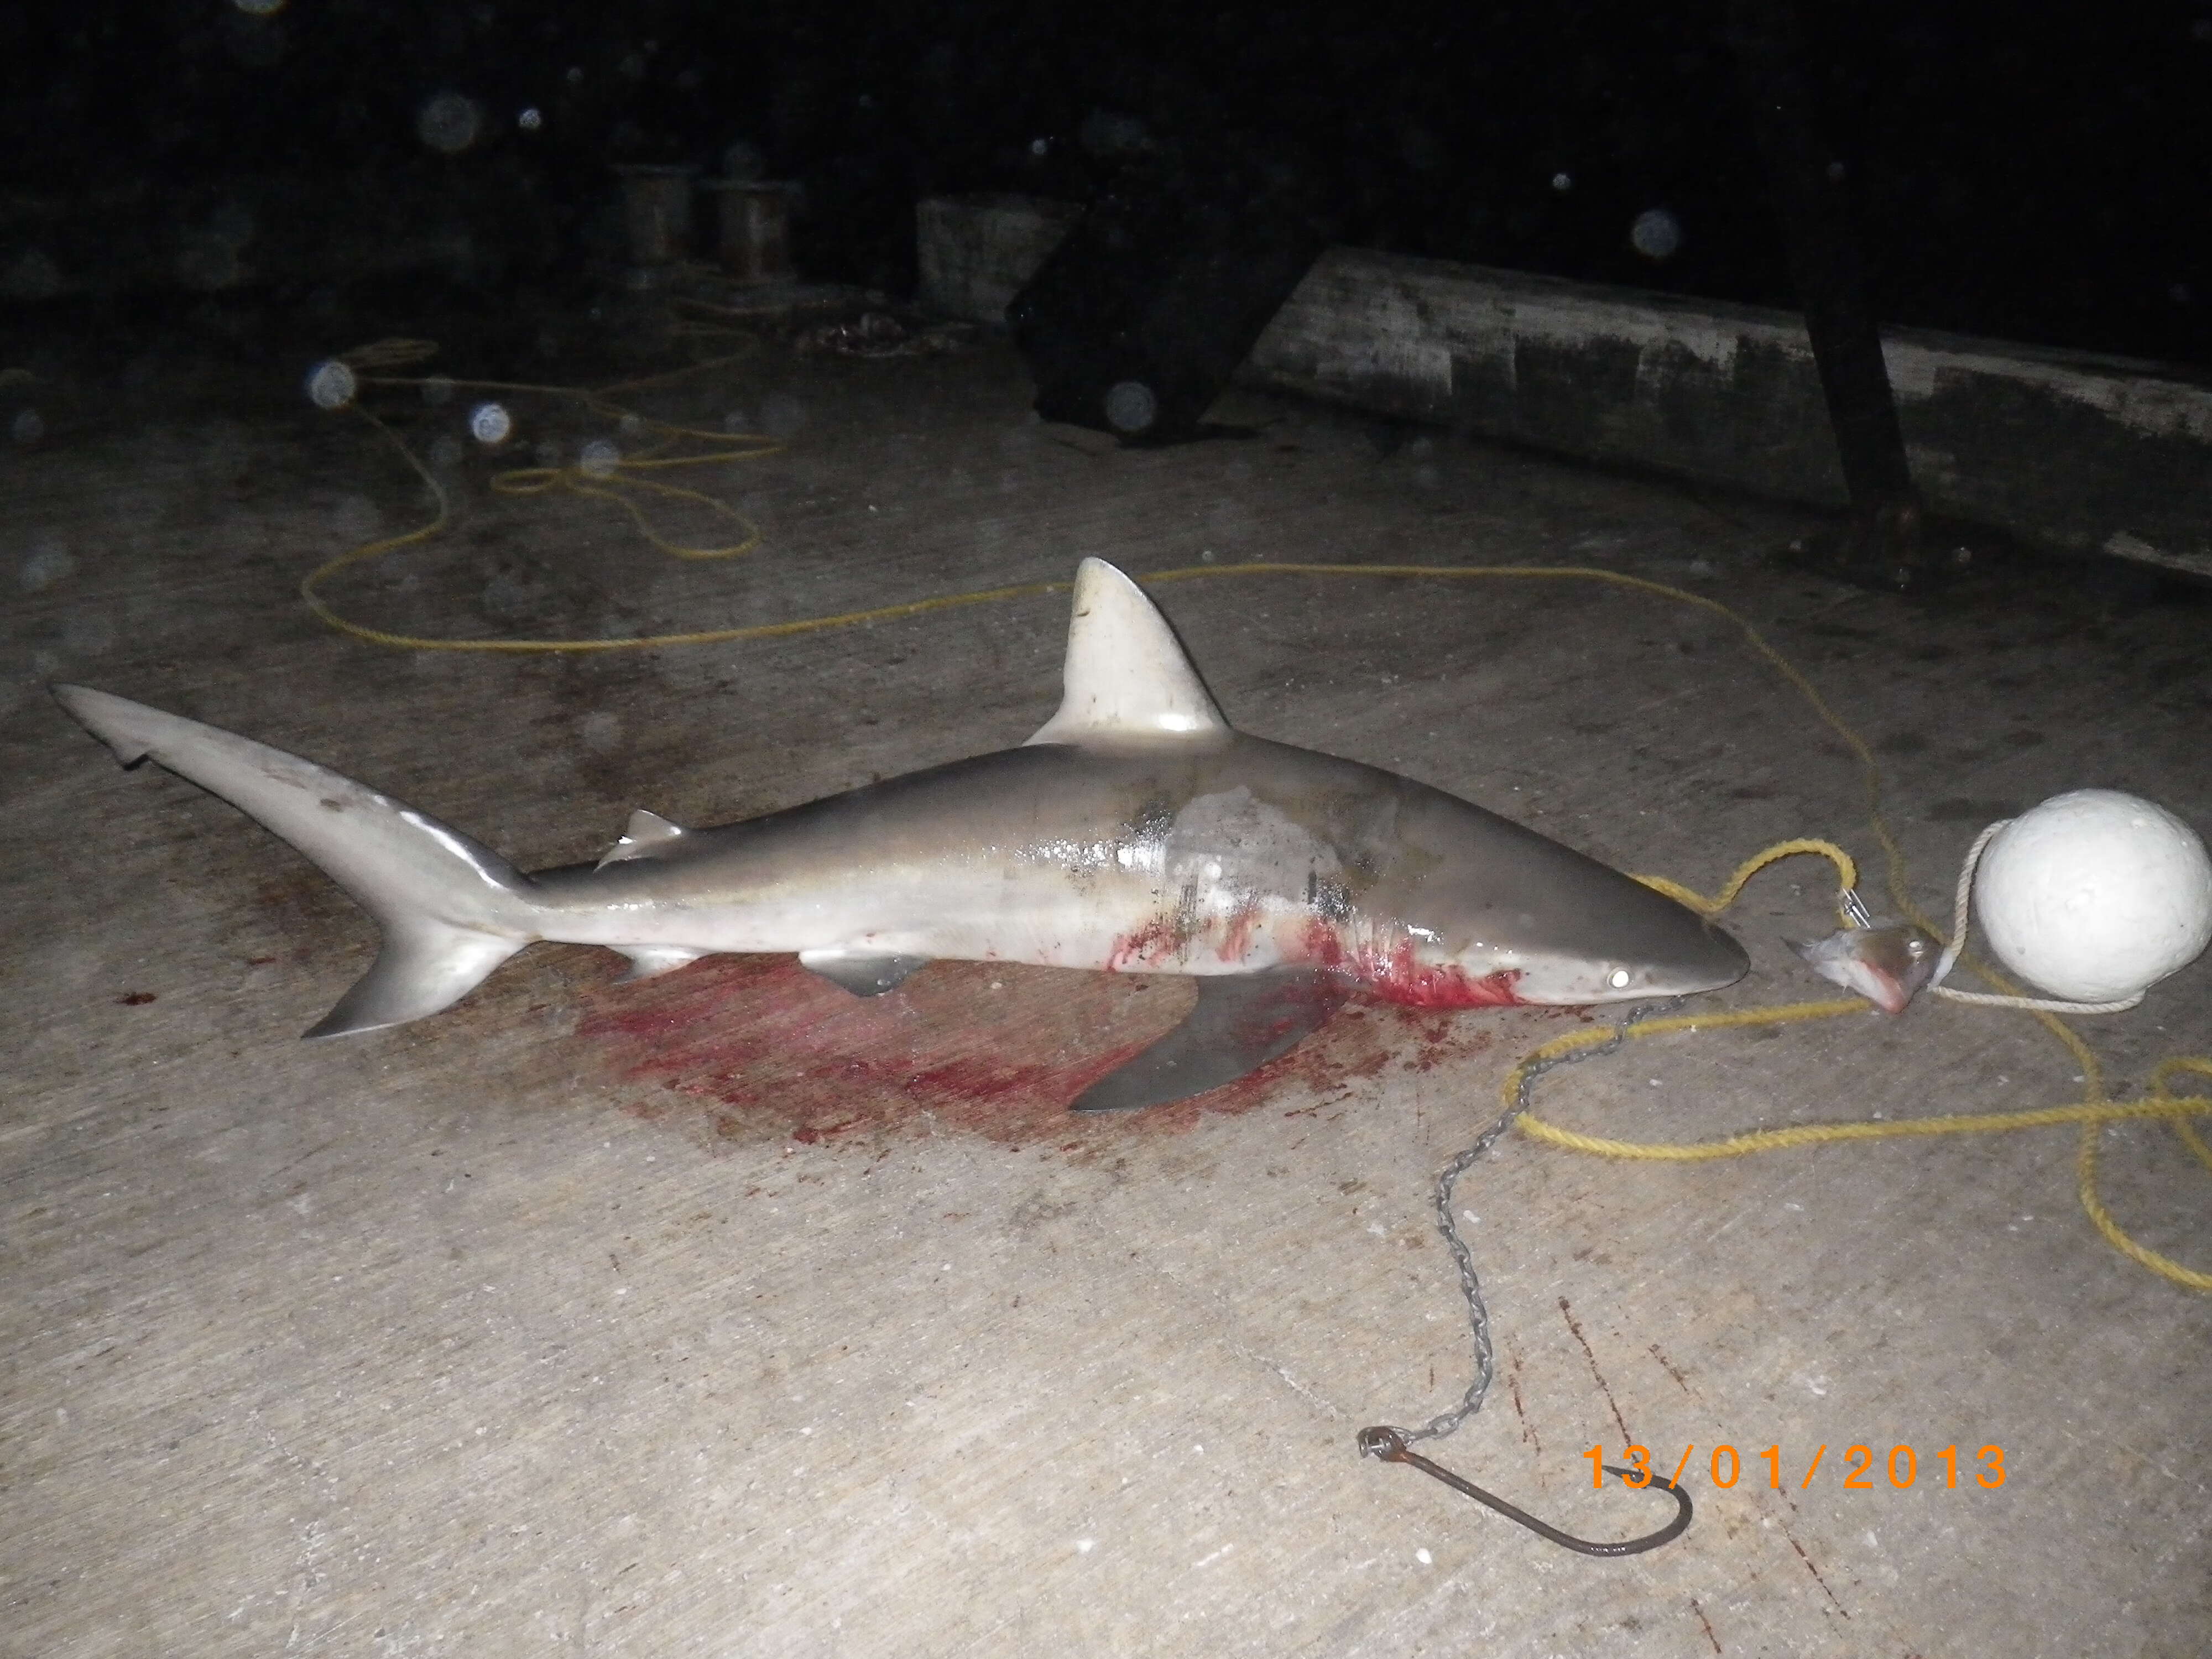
(726, 1314)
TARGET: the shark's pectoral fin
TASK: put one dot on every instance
(646, 961)
(1240, 1023)
(863, 976)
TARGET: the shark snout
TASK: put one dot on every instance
(1692, 956)
(1698, 958)
(1716, 960)
(1681, 959)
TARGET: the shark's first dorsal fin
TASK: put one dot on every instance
(647, 835)
(1127, 677)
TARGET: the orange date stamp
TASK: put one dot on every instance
(1862, 1469)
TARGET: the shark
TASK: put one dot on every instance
(1137, 831)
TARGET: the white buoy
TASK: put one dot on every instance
(2095, 895)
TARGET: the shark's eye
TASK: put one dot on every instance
(1618, 979)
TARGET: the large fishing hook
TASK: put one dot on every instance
(1389, 1445)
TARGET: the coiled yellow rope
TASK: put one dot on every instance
(2091, 1112)
(610, 482)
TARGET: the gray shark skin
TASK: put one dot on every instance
(1136, 832)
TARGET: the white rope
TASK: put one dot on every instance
(1960, 908)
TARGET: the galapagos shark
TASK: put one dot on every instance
(1136, 832)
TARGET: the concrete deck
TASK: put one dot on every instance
(725, 1315)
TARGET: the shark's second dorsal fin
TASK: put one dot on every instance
(1127, 677)
(647, 835)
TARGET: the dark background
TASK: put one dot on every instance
(2039, 173)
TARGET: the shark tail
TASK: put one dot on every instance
(451, 910)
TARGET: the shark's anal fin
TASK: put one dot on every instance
(649, 961)
(647, 835)
(863, 976)
(1127, 679)
(1240, 1023)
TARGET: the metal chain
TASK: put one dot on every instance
(1477, 1312)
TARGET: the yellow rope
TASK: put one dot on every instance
(2091, 1112)
(610, 483)
(1847, 874)
(2161, 1104)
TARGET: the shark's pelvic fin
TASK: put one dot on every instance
(650, 961)
(863, 976)
(451, 910)
(647, 835)
(1127, 679)
(1240, 1023)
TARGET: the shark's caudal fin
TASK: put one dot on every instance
(1127, 679)
(451, 910)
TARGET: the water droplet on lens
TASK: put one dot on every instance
(491, 424)
(331, 384)
(449, 123)
(1131, 407)
(1656, 235)
(49, 563)
(601, 731)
